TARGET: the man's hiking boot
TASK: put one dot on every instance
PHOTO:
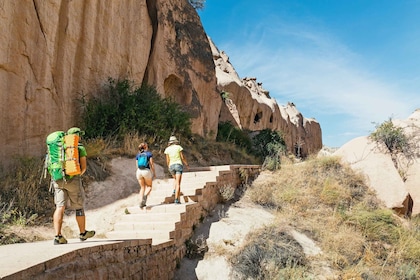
(143, 201)
(87, 234)
(59, 239)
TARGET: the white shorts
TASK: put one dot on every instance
(143, 173)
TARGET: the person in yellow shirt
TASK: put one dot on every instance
(175, 160)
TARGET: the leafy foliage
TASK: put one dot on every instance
(393, 137)
(227, 132)
(123, 108)
(270, 145)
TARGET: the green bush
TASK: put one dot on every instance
(123, 108)
(271, 146)
(227, 132)
(267, 145)
(393, 137)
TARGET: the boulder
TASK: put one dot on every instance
(394, 179)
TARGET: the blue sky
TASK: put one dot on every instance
(350, 64)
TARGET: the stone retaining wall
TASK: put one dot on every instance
(139, 259)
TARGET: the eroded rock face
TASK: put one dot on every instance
(181, 64)
(249, 106)
(55, 51)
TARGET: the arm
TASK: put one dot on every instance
(184, 160)
(83, 165)
(167, 160)
(152, 167)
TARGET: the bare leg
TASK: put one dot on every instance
(148, 190)
(58, 219)
(148, 186)
(173, 176)
(142, 189)
(81, 222)
(178, 178)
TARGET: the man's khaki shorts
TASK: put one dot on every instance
(69, 193)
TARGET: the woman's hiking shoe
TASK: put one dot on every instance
(177, 201)
(87, 234)
(59, 239)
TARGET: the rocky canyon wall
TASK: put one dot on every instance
(54, 52)
(249, 106)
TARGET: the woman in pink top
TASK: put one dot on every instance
(175, 159)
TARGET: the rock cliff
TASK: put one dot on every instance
(249, 106)
(53, 52)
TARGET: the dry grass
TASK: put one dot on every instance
(227, 193)
(330, 203)
(268, 254)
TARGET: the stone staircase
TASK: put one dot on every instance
(145, 243)
(160, 219)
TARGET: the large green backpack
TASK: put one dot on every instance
(62, 155)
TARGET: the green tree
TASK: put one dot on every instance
(270, 145)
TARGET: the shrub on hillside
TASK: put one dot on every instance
(227, 132)
(23, 198)
(393, 137)
(268, 145)
(268, 253)
(271, 146)
(331, 204)
(123, 108)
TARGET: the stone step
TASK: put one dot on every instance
(144, 234)
(158, 220)
(145, 225)
(155, 200)
(157, 217)
(160, 193)
(159, 208)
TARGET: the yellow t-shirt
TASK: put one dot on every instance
(174, 153)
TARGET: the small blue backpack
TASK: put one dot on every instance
(142, 162)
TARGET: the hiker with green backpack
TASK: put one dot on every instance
(66, 163)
